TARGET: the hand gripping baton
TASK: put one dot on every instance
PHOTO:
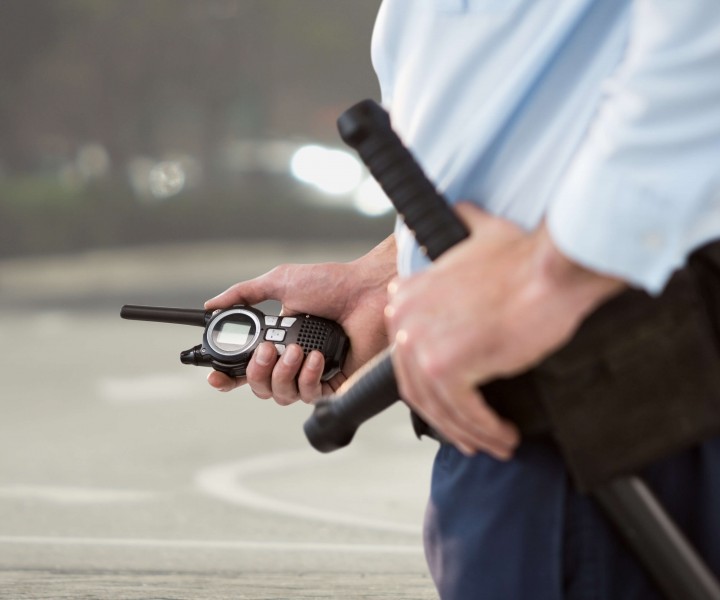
(641, 521)
(366, 128)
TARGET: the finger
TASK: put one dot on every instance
(472, 214)
(260, 368)
(488, 432)
(481, 222)
(401, 296)
(478, 220)
(285, 312)
(468, 440)
(393, 286)
(284, 383)
(419, 396)
(249, 292)
(332, 385)
(442, 421)
(244, 292)
(308, 381)
(335, 383)
(224, 383)
(470, 409)
(460, 415)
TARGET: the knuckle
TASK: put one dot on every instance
(255, 374)
(262, 395)
(259, 384)
(398, 300)
(261, 391)
(428, 360)
(280, 274)
(431, 412)
(434, 364)
(406, 394)
(284, 387)
(283, 376)
(286, 400)
(309, 396)
(309, 389)
(279, 271)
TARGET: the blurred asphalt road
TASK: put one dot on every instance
(124, 475)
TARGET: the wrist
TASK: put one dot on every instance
(378, 267)
(366, 278)
(587, 287)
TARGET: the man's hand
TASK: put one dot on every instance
(494, 305)
(353, 294)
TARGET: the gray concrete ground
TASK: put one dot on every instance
(123, 475)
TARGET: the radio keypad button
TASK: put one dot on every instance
(275, 335)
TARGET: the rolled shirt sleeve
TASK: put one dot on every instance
(644, 187)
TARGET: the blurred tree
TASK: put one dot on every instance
(151, 76)
(138, 81)
(27, 31)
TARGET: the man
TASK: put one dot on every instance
(586, 136)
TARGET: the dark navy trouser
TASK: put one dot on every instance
(518, 530)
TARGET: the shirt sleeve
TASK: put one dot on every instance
(644, 187)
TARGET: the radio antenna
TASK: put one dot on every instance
(162, 314)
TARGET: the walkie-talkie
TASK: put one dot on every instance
(231, 335)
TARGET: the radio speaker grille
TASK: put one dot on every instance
(312, 335)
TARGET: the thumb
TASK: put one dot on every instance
(253, 291)
(486, 226)
(472, 215)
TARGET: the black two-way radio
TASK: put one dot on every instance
(232, 335)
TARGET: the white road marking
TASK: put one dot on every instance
(50, 323)
(158, 387)
(229, 482)
(278, 546)
(74, 495)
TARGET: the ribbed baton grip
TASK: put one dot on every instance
(366, 128)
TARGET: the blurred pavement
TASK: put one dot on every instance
(124, 475)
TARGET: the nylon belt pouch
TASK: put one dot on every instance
(640, 379)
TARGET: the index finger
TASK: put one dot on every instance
(248, 292)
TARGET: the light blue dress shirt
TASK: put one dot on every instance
(600, 116)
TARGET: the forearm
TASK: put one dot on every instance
(374, 271)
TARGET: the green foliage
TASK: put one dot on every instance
(26, 194)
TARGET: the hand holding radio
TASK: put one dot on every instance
(352, 294)
(231, 336)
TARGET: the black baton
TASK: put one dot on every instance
(366, 128)
(667, 556)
